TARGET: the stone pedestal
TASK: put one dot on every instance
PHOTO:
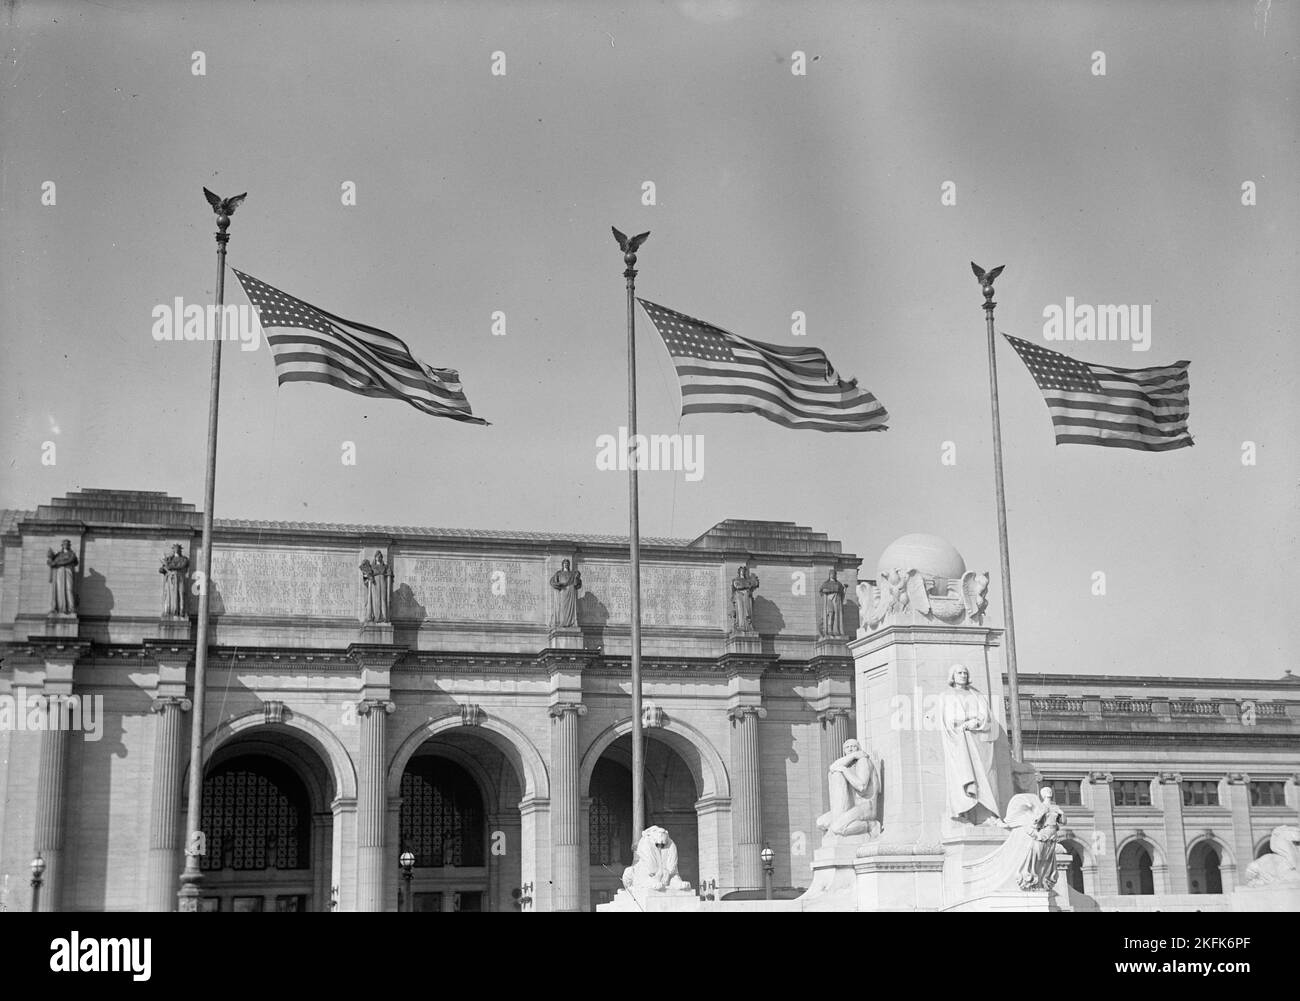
(891, 876)
(1032, 901)
(831, 646)
(564, 638)
(746, 643)
(1274, 898)
(965, 873)
(375, 632)
(173, 629)
(61, 624)
(834, 886)
(651, 902)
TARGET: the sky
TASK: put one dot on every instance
(775, 192)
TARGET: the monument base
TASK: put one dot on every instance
(173, 628)
(61, 624)
(1274, 898)
(376, 632)
(1027, 901)
(746, 643)
(831, 646)
(651, 902)
(967, 871)
(565, 638)
(834, 883)
(899, 877)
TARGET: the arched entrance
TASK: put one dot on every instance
(671, 794)
(266, 814)
(1135, 870)
(1074, 875)
(1203, 869)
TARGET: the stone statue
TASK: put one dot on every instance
(654, 865)
(1281, 866)
(1029, 855)
(966, 725)
(832, 592)
(377, 578)
(742, 600)
(174, 568)
(853, 786)
(949, 600)
(567, 582)
(63, 567)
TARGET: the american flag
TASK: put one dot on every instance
(311, 345)
(1144, 408)
(795, 387)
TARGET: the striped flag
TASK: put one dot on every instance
(1144, 408)
(311, 345)
(722, 373)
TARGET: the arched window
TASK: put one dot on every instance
(256, 816)
(609, 824)
(1135, 870)
(1203, 874)
(442, 814)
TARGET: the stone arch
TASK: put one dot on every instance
(1226, 855)
(529, 767)
(1147, 842)
(701, 757)
(310, 731)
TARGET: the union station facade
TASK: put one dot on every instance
(495, 747)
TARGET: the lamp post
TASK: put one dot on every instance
(407, 861)
(767, 855)
(38, 871)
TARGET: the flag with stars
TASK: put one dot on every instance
(1143, 408)
(311, 345)
(796, 387)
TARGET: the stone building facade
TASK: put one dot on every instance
(479, 733)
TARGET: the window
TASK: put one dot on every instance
(1066, 792)
(441, 817)
(1268, 794)
(1131, 793)
(256, 815)
(1200, 793)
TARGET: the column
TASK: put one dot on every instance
(566, 807)
(1237, 787)
(51, 803)
(165, 808)
(1103, 846)
(372, 854)
(747, 800)
(1171, 805)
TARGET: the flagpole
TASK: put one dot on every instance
(192, 878)
(1013, 679)
(634, 519)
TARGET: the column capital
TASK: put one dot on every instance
(1169, 778)
(559, 709)
(1238, 778)
(366, 706)
(738, 713)
(828, 716)
(1099, 778)
(164, 702)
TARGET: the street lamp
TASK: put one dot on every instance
(767, 855)
(38, 871)
(407, 861)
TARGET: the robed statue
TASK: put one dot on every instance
(63, 568)
(832, 592)
(1036, 824)
(566, 582)
(968, 730)
(743, 587)
(174, 569)
(853, 788)
(376, 577)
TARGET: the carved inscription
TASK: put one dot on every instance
(475, 590)
(670, 595)
(284, 582)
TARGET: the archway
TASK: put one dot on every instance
(1203, 869)
(671, 794)
(266, 814)
(1134, 866)
(1074, 875)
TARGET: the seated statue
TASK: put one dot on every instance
(654, 865)
(1029, 854)
(853, 787)
(1282, 863)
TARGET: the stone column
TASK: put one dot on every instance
(372, 815)
(1103, 823)
(165, 809)
(1171, 805)
(51, 804)
(747, 799)
(566, 807)
(1243, 840)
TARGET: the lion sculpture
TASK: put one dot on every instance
(654, 865)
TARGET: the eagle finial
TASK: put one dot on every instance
(224, 207)
(629, 246)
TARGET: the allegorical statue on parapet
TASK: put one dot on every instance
(567, 582)
(376, 577)
(853, 787)
(174, 568)
(832, 621)
(63, 571)
(969, 732)
(743, 587)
